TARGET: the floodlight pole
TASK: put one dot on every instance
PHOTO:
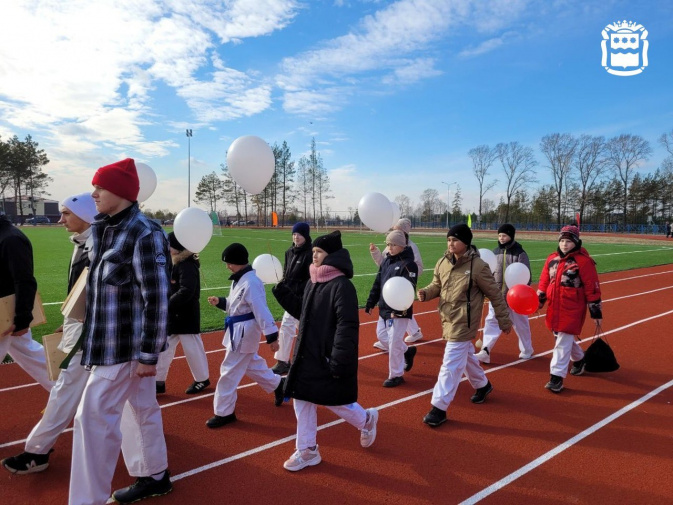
(189, 164)
(448, 200)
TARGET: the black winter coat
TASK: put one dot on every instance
(16, 272)
(290, 290)
(325, 362)
(184, 312)
(402, 265)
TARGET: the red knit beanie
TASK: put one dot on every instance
(120, 178)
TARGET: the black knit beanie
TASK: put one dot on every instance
(236, 254)
(329, 243)
(174, 243)
(462, 232)
(507, 229)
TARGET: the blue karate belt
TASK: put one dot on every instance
(230, 321)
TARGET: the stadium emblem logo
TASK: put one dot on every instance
(624, 47)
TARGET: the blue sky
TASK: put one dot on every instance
(395, 93)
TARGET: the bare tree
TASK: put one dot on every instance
(284, 177)
(304, 184)
(559, 149)
(666, 140)
(517, 163)
(405, 205)
(625, 153)
(482, 160)
(429, 202)
(234, 194)
(589, 162)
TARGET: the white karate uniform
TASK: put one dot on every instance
(286, 337)
(521, 325)
(195, 353)
(29, 355)
(118, 410)
(241, 358)
(566, 349)
(458, 359)
(307, 420)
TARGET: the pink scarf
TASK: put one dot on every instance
(323, 273)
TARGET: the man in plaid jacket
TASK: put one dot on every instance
(124, 331)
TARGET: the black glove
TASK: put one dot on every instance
(542, 298)
(368, 309)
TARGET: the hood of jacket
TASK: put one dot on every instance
(340, 259)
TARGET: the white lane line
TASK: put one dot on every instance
(284, 440)
(476, 498)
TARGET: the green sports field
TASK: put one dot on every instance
(52, 251)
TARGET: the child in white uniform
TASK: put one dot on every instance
(248, 317)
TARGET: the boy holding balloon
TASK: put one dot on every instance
(248, 317)
(461, 279)
(512, 267)
(569, 281)
(393, 322)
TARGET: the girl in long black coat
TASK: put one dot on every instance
(184, 319)
(325, 362)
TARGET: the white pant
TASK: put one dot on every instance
(194, 352)
(29, 355)
(413, 327)
(566, 349)
(118, 410)
(458, 358)
(307, 420)
(521, 325)
(234, 367)
(286, 336)
(61, 407)
(391, 334)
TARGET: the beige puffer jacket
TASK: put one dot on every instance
(450, 282)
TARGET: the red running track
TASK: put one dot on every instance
(607, 438)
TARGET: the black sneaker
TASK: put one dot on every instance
(161, 387)
(435, 417)
(480, 395)
(197, 387)
(144, 487)
(409, 358)
(278, 393)
(578, 367)
(27, 462)
(281, 367)
(394, 382)
(217, 421)
(555, 384)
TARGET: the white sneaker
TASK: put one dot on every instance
(302, 459)
(368, 433)
(410, 339)
(380, 345)
(526, 355)
(484, 356)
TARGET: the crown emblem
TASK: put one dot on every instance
(624, 48)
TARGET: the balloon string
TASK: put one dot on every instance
(268, 247)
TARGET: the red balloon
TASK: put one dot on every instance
(522, 299)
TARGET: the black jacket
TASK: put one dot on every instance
(184, 314)
(325, 362)
(16, 272)
(402, 265)
(290, 290)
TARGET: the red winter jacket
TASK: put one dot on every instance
(570, 283)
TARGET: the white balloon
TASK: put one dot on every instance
(489, 258)
(516, 273)
(397, 212)
(193, 229)
(148, 181)
(376, 212)
(268, 268)
(251, 163)
(398, 293)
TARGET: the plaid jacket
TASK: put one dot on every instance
(127, 291)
